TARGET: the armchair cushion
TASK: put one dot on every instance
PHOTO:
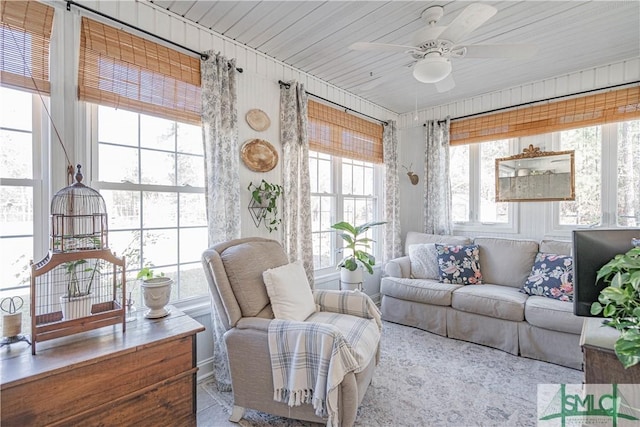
(289, 292)
(244, 264)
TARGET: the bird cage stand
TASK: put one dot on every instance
(75, 292)
(80, 284)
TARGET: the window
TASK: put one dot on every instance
(472, 176)
(628, 209)
(151, 176)
(345, 159)
(341, 190)
(585, 209)
(607, 162)
(19, 191)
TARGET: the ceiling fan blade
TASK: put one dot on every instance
(446, 84)
(469, 19)
(380, 46)
(510, 51)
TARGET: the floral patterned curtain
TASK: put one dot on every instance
(392, 242)
(437, 186)
(296, 210)
(222, 178)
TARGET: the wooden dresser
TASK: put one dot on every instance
(601, 365)
(146, 376)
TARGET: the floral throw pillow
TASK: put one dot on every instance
(551, 276)
(459, 264)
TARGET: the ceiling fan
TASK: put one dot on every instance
(434, 46)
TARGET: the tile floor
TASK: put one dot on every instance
(210, 412)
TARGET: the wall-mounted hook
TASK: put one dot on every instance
(412, 176)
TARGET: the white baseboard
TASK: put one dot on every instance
(205, 369)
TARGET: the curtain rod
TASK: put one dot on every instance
(111, 18)
(346, 109)
(542, 100)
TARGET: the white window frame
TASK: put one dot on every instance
(92, 113)
(608, 182)
(337, 214)
(474, 224)
(38, 181)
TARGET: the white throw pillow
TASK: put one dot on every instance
(424, 261)
(289, 292)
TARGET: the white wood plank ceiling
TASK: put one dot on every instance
(314, 36)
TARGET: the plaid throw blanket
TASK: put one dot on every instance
(310, 359)
(355, 303)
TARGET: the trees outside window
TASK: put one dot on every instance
(341, 190)
(151, 176)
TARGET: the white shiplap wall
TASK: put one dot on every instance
(257, 85)
(533, 220)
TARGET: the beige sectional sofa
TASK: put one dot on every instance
(495, 313)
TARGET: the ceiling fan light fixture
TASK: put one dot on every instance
(432, 69)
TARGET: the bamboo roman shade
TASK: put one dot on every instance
(121, 70)
(338, 133)
(25, 30)
(607, 107)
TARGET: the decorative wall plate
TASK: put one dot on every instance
(258, 120)
(259, 155)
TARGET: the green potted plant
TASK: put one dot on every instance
(76, 302)
(264, 204)
(156, 292)
(619, 303)
(355, 253)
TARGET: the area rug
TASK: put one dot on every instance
(424, 379)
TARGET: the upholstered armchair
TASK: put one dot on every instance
(234, 271)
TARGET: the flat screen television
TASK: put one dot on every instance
(592, 249)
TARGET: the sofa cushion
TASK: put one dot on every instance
(552, 314)
(560, 247)
(244, 264)
(497, 301)
(414, 237)
(459, 264)
(289, 292)
(551, 276)
(424, 261)
(506, 261)
(418, 290)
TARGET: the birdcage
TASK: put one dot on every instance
(78, 218)
(80, 284)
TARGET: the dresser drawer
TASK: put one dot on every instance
(84, 387)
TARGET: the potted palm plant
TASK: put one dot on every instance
(619, 303)
(355, 253)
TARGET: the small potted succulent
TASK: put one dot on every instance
(356, 256)
(619, 303)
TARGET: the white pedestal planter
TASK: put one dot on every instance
(351, 280)
(75, 307)
(156, 293)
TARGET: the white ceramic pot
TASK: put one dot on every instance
(156, 293)
(351, 280)
(75, 307)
